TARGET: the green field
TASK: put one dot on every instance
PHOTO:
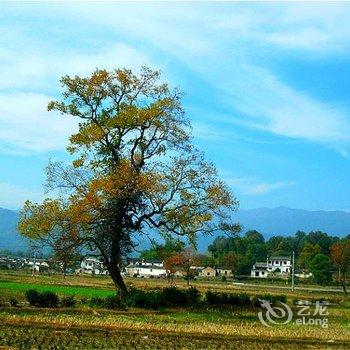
(83, 327)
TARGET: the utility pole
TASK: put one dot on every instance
(34, 261)
(267, 265)
(293, 258)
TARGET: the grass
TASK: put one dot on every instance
(28, 337)
(177, 328)
(17, 289)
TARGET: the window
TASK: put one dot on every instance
(208, 273)
(256, 274)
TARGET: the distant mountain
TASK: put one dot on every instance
(286, 221)
(9, 237)
(269, 221)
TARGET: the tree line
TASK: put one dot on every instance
(316, 252)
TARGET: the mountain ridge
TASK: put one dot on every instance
(269, 221)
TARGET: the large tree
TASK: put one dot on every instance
(134, 170)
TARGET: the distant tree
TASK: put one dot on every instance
(206, 260)
(298, 242)
(229, 261)
(163, 251)
(340, 256)
(182, 262)
(320, 268)
(307, 254)
(322, 239)
(254, 237)
(280, 245)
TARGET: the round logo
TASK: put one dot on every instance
(272, 315)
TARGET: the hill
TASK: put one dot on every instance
(269, 221)
(9, 237)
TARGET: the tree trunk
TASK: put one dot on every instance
(64, 270)
(118, 282)
(343, 282)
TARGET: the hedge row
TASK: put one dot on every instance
(242, 299)
(154, 299)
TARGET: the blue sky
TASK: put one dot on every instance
(267, 89)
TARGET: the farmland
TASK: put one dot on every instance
(83, 326)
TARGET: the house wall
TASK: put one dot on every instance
(208, 272)
(258, 273)
(150, 271)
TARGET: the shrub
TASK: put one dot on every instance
(152, 299)
(212, 297)
(68, 301)
(216, 298)
(32, 297)
(96, 302)
(13, 302)
(112, 302)
(42, 299)
(193, 295)
(175, 296)
(239, 299)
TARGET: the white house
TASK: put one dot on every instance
(274, 264)
(37, 264)
(93, 265)
(259, 269)
(144, 268)
(280, 263)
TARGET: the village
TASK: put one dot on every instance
(279, 267)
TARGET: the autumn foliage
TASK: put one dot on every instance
(134, 171)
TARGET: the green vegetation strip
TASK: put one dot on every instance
(87, 292)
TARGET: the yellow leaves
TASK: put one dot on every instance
(133, 146)
(87, 135)
(38, 220)
(218, 195)
(77, 163)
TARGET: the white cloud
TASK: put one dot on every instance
(216, 53)
(251, 186)
(26, 67)
(271, 105)
(13, 197)
(27, 127)
(216, 43)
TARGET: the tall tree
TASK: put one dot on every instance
(320, 268)
(340, 256)
(307, 254)
(134, 170)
